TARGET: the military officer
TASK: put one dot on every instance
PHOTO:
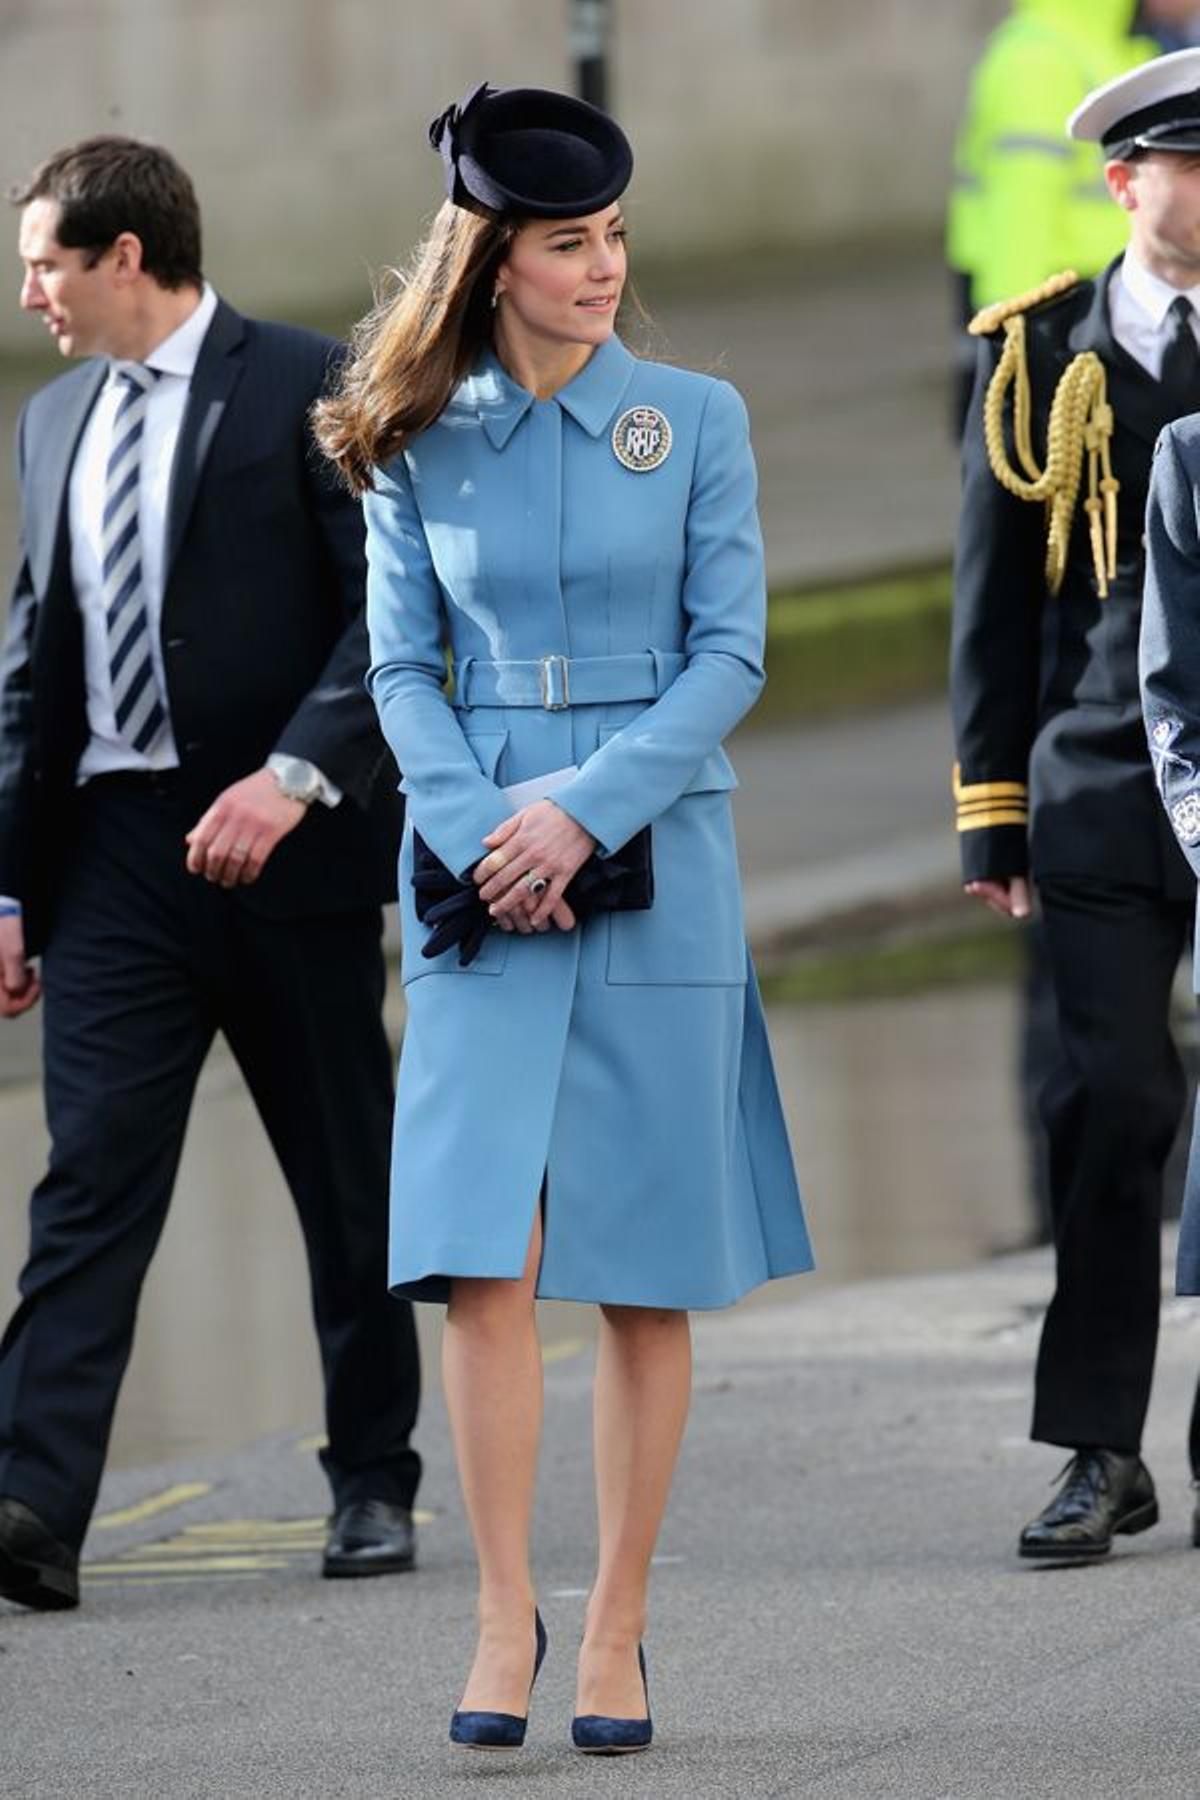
(1075, 381)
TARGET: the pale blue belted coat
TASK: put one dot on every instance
(624, 1063)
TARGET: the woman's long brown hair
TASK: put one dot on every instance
(411, 351)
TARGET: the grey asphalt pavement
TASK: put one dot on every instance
(837, 1610)
(844, 365)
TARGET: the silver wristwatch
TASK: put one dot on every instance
(295, 778)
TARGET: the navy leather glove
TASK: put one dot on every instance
(623, 882)
(459, 919)
(451, 907)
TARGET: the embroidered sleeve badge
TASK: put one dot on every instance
(1185, 817)
(1165, 759)
(641, 439)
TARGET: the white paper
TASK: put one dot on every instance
(524, 793)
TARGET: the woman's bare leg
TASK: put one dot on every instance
(492, 1374)
(643, 1386)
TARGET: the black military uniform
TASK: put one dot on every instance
(1054, 779)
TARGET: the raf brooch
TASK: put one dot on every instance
(641, 439)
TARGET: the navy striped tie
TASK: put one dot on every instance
(140, 713)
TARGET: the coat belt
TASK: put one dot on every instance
(555, 682)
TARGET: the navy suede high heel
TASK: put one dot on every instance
(597, 1735)
(497, 1730)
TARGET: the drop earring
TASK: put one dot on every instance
(495, 298)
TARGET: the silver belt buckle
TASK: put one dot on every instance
(556, 689)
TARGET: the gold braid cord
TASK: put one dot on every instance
(1081, 421)
(991, 318)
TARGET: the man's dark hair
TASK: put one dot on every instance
(107, 185)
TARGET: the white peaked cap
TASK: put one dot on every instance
(1154, 106)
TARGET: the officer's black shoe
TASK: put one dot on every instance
(1196, 1514)
(1105, 1494)
(35, 1568)
(369, 1537)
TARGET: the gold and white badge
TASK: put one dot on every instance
(641, 439)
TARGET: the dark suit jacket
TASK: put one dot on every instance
(1045, 691)
(263, 629)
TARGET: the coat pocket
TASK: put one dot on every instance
(487, 747)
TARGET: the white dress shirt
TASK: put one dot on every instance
(1139, 305)
(175, 361)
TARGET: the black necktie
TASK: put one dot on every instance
(1180, 373)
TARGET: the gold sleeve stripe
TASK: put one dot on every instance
(991, 790)
(1013, 802)
(987, 790)
(983, 821)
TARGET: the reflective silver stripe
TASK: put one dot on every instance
(1090, 190)
(1018, 142)
(966, 183)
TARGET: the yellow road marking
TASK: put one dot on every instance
(274, 1530)
(154, 1503)
(221, 1547)
(208, 1565)
(264, 1530)
(133, 1578)
(553, 1353)
(197, 1547)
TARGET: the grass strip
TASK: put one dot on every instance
(866, 643)
(890, 970)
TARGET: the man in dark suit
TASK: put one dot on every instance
(198, 826)
(1053, 775)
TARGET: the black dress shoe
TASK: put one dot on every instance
(1105, 1494)
(1196, 1515)
(36, 1569)
(369, 1537)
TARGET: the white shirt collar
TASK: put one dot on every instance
(1150, 292)
(178, 354)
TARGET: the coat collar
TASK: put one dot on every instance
(598, 389)
(591, 398)
(46, 525)
(1093, 329)
(1140, 403)
(214, 378)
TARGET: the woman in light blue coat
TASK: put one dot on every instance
(586, 1106)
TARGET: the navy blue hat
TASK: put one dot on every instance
(532, 153)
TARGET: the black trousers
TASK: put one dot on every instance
(144, 964)
(1111, 1109)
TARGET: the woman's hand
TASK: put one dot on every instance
(540, 840)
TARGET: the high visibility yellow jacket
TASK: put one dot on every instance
(1026, 201)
